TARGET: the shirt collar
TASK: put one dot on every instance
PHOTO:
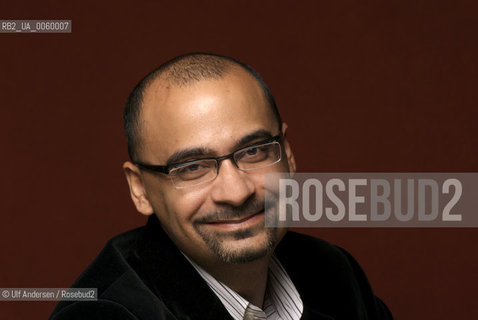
(281, 301)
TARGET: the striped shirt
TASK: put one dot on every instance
(281, 300)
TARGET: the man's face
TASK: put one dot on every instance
(221, 220)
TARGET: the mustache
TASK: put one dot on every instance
(229, 212)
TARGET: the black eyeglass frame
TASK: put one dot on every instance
(167, 169)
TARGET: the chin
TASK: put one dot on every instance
(243, 247)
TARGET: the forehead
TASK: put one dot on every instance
(209, 113)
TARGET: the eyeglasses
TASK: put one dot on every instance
(195, 172)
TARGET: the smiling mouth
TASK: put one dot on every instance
(237, 223)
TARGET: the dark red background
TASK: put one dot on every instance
(365, 86)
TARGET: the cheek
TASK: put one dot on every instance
(259, 181)
(180, 206)
(258, 177)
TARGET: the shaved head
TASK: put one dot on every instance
(183, 71)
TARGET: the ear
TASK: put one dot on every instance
(137, 188)
(288, 150)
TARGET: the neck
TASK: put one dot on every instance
(247, 279)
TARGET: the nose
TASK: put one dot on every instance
(231, 186)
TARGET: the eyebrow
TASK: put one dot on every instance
(199, 152)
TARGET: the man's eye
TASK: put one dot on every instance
(257, 151)
(252, 151)
(253, 154)
(194, 170)
(192, 167)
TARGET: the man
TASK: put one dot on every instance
(202, 131)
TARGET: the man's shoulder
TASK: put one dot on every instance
(328, 277)
(114, 260)
(141, 274)
(116, 276)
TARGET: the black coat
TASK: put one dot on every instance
(141, 274)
